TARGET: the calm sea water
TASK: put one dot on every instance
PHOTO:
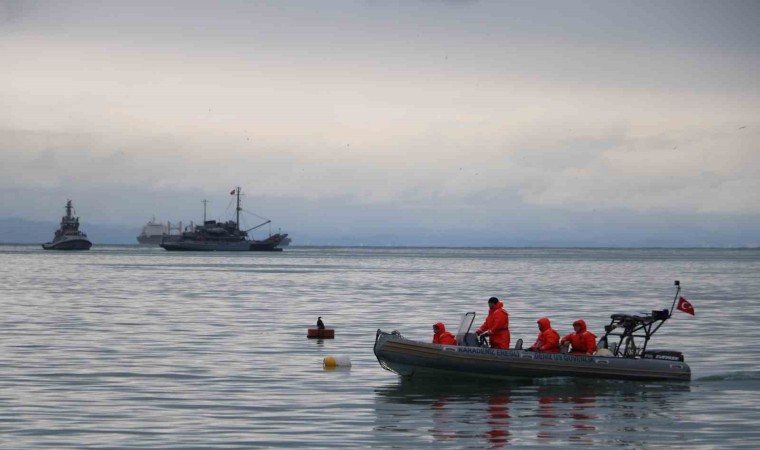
(129, 347)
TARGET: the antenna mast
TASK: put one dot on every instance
(238, 209)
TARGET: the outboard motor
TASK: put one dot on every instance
(667, 355)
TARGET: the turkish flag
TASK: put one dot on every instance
(685, 306)
(232, 192)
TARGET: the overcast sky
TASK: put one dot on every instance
(571, 122)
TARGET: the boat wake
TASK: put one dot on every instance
(733, 376)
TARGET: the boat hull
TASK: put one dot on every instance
(191, 245)
(410, 358)
(150, 240)
(68, 244)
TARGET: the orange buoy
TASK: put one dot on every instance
(316, 333)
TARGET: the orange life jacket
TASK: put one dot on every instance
(583, 342)
(548, 339)
(443, 337)
(497, 325)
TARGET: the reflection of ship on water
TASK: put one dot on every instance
(153, 232)
(68, 236)
(223, 236)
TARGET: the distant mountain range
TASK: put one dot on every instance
(20, 231)
(729, 235)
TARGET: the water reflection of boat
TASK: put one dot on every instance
(624, 359)
(473, 413)
(68, 236)
(410, 405)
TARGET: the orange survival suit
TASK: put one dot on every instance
(497, 326)
(442, 336)
(582, 341)
(548, 339)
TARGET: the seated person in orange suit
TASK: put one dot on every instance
(582, 341)
(442, 336)
(548, 339)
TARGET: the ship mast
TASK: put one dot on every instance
(204, 210)
(238, 209)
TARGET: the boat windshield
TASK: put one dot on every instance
(464, 326)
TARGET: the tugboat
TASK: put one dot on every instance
(68, 237)
(223, 236)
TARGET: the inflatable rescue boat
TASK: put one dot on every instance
(622, 354)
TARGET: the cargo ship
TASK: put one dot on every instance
(152, 233)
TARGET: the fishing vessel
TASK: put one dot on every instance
(152, 233)
(623, 354)
(223, 236)
(68, 236)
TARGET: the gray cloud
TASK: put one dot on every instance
(13, 11)
(378, 116)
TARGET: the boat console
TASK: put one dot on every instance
(464, 336)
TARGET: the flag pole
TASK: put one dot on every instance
(678, 285)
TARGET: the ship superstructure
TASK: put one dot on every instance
(223, 236)
(68, 236)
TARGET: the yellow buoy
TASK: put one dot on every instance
(333, 362)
